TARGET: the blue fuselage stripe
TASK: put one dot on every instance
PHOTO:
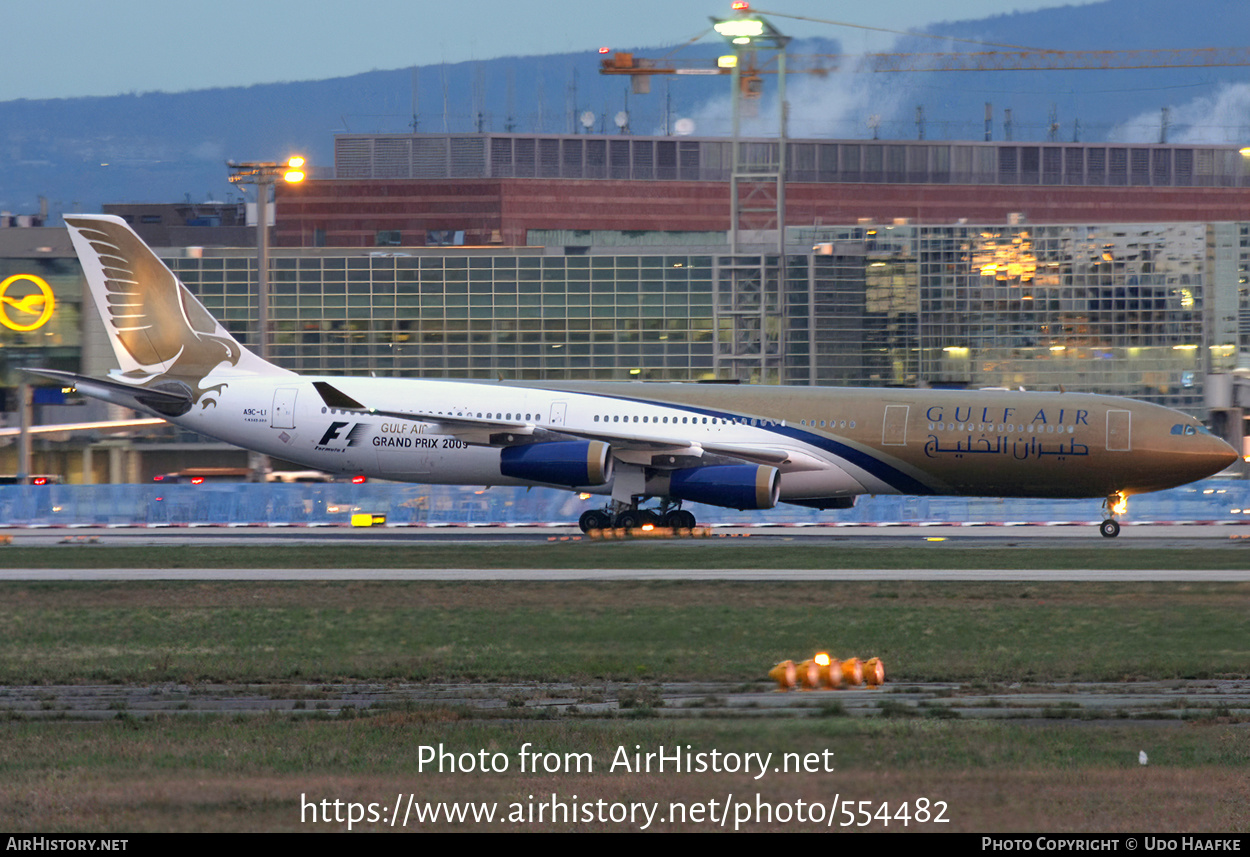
(892, 476)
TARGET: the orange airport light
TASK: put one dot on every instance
(785, 674)
(809, 674)
(830, 670)
(824, 671)
(853, 672)
(874, 672)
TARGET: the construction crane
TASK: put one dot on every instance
(1013, 58)
(1023, 60)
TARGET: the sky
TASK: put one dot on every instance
(73, 48)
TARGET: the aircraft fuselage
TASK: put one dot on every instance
(825, 442)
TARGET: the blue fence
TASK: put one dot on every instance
(334, 503)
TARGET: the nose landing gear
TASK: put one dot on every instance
(1116, 504)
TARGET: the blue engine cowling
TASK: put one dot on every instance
(737, 486)
(573, 463)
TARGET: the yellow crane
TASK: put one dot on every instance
(1014, 60)
(1010, 58)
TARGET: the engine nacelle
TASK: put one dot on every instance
(737, 486)
(573, 463)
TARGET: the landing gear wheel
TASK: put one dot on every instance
(629, 520)
(680, 519)
(593, 520)
(1110, 528)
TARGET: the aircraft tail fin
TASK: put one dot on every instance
(159, 330)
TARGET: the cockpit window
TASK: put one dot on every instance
(1181, 428)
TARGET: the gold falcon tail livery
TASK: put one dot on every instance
(162, 336)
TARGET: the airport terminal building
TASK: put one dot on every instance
(1088, 268)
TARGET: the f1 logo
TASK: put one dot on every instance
(333, 432)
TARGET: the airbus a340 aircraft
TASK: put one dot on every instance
(742, 447)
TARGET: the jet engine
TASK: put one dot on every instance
(573, 463)
(737, 486)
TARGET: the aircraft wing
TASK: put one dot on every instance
(683, 446)
(623, 443)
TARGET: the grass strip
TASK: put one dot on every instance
(623, 631)
(255, 773)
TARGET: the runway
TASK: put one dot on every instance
(1143, 534)
(1025, 539)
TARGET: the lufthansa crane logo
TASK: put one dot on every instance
(29, 311)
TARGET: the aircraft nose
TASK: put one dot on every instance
(1218, 455)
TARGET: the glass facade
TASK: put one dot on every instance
(1107, 308)
(1094, 308)
(458, 315)
(1243, 286)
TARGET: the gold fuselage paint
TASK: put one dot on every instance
(980, 442)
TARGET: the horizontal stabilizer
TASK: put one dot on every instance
(170, 399)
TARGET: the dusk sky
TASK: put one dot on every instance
(70, 48)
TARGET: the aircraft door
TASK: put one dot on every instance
(894, 429)
(283, 414)
(1119, 431)
(557, 413)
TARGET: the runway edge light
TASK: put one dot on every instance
(853, 672)
(874, 672)
(785, 674)
(823, 671)
(830, 670)
(809, 674)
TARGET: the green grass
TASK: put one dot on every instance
(625, 631)
(256, 773)
(390, 742)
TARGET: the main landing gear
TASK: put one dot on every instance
(1116, 504)
(629, 517)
